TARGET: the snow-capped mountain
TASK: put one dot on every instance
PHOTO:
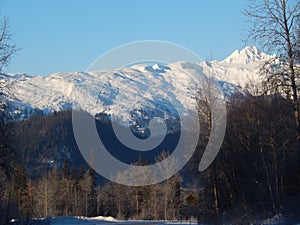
(248, 55)
(240, 68)
(122, 90)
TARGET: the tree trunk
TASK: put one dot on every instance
(98, 202)
(137, 204)
(86, 203)
(291, 66)
(215, 190)
(46, 200)
(267, 174)
(8, 203)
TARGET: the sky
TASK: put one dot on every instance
(62, 35)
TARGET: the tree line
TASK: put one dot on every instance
(255, 173)
(74, 192)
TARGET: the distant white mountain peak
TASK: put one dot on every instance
(249, 54)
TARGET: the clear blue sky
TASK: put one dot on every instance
(67, 35)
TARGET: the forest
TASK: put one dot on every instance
(256, 172)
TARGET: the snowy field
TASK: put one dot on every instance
(277, 219)
(107, 221)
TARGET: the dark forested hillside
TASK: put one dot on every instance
(45, 141)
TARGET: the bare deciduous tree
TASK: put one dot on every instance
(274, 27)
(7, 155)
(7, 50)
(7, 47)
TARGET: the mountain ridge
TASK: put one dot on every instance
(114, 91)
(248, 55)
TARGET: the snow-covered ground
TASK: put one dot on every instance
(274, 220)
(109, 221)
(277, 219)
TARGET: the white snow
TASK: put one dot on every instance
(109, 221)
(248, 55)
(116, 92)
(240, 68)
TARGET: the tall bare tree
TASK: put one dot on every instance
(274, 27)
(7, 46)
(7, 156)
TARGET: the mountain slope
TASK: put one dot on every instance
(116, 92)
(240, 68)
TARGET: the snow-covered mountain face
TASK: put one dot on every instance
(130, 89)
(240, 68)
